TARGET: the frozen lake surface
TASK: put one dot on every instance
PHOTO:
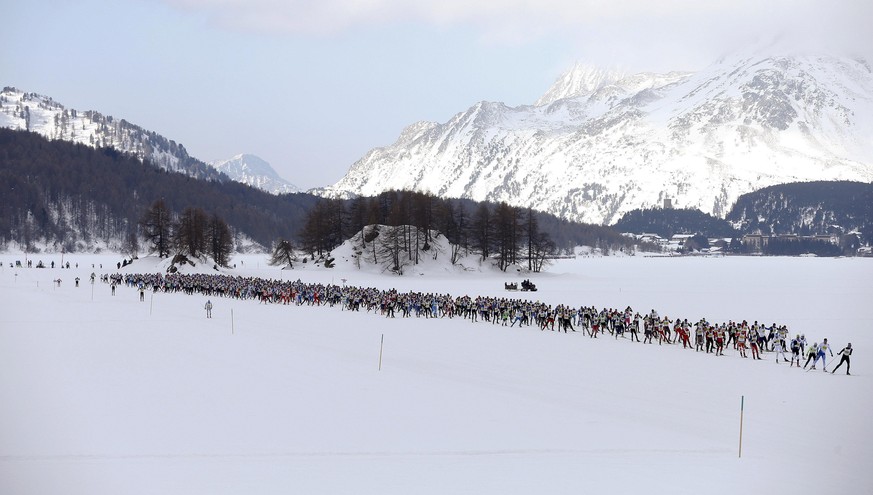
(105, 394)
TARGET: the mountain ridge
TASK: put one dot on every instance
(41, 114)
(20, 110)
(701, 139)
(254, 171)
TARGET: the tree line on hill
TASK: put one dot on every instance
(192, 233)
(75, 197)
(789, 214)
(666, 222)
(807, 208)
(104, 131)
(508, 234)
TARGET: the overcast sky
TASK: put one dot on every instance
(311, 86)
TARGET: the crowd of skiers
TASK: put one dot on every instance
(749, 340)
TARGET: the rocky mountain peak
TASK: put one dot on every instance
(581, 80)
(600, 143)
(254, 171)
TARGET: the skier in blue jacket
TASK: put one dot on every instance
(821, 354)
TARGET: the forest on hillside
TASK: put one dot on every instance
(807, 208)
(72, 197)
(668, 222)
(802, 208)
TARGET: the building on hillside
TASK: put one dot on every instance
(719, 244)
(677, 241)
(652, 239)
(648, 238)
(758, 242)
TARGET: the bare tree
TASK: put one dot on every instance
(156, 224)
(541, 249)
(508, 230)
(283, 253)
(323, 229)
(392, 244)
(482, 231)
(131, 243)
(220, 240)
(189, 232)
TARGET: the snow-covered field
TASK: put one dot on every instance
(104, 394)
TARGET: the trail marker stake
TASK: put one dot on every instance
(742, 400)
(381, 344)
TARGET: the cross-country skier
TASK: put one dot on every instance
(810, 355)
(778, 350)
(719, 341)
(753, 345)
(682, 332)
(821, 354)
(761, 333)
(741, 336)
(709, 334)
(846, 353)
(519, 316)
(635, 328)
(795, 350)
(208, 308)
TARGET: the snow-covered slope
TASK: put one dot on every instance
(581, 80)
(373, 250)
(256, 172)
(41, 114)
(601, 143)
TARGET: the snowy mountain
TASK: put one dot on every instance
(581, 80)
(600, 143)
(256, 172)
(41, 114)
